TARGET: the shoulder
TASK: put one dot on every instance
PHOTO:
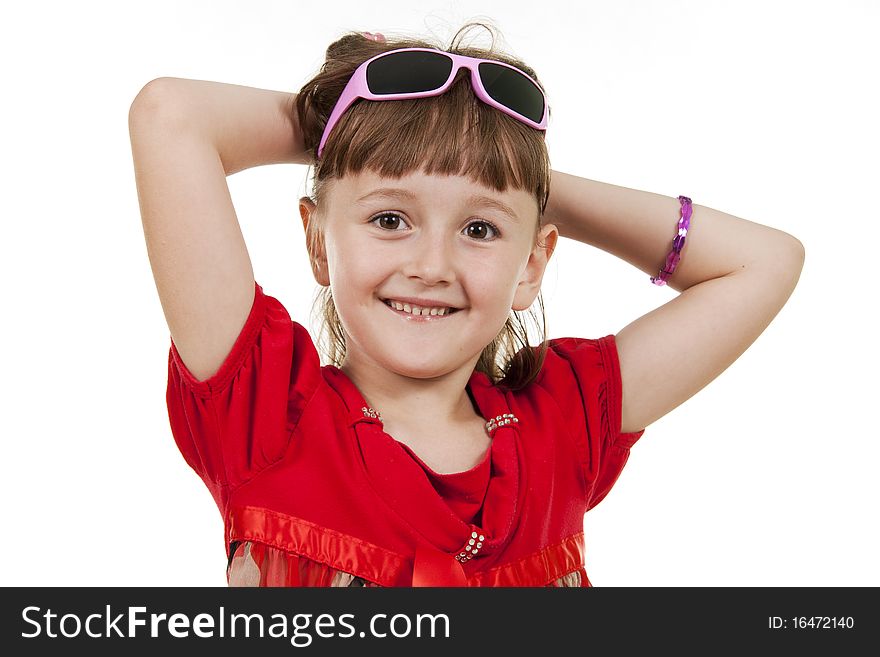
(582, 357)
(592, 369)
(573, 369)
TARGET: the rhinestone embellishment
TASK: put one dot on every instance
(471, 550)
(370, 412)
(500, 420)
(491, 425)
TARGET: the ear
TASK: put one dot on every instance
(318, 260)
(530, 283)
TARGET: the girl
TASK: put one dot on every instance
(437, 447)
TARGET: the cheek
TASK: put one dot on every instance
(491, 284)
(498, 271)
(347, 264)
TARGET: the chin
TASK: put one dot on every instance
(422, 369)
(426, 372)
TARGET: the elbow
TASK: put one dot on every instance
(793, 262)
(782, 263)
(157, 99)
(797, 248)
(794, 246)
(799, 254)
(149, 95)
(789, 252)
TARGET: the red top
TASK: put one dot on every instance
(313, 492)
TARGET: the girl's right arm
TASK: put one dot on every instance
(186, 137)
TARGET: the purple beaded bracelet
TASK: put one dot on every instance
(677, 244)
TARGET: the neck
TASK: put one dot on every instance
(410, 402)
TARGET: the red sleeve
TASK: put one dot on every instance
(235, 423)
(583, 376)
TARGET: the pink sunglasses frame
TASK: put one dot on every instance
(357, 88)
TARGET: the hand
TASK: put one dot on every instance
(375, 37)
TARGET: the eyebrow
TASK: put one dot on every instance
(474, 199)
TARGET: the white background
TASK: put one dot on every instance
(765, 110)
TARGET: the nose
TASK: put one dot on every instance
(431, 258)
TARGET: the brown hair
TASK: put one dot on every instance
(450, 134)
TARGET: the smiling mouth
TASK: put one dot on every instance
(424, 313)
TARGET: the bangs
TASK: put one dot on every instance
(454, 133)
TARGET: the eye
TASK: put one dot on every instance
(495, 232)
(392, 215)
(395, 220)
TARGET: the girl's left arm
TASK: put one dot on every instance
(734, 276)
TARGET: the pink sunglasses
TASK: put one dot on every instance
(423, 72)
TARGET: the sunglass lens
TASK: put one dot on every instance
(513, 89)
(408, 72)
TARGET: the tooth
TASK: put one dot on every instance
(418, 311)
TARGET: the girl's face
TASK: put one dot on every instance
(445, 239)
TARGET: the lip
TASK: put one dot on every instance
(421, 318)
(422, 303)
